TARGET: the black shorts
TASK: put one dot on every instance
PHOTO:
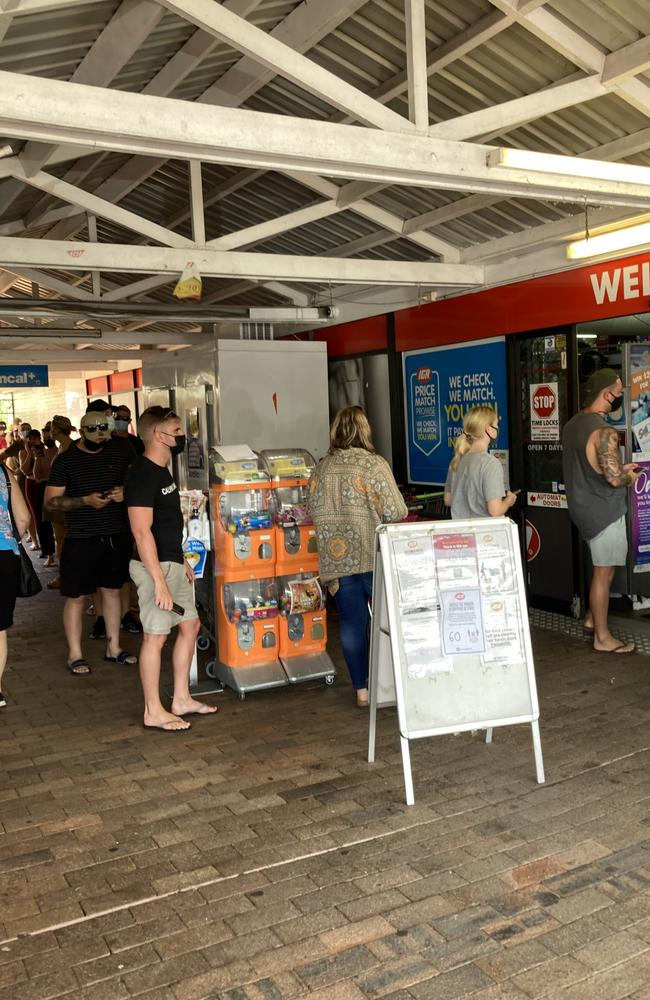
(9, 566)
(90, 563)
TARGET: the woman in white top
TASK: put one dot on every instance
(474, 486)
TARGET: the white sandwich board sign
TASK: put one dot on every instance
(450, 639)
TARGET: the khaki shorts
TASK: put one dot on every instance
(154, 620)
(609, 547)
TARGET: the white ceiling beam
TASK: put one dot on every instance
(196, 202)
(63, 336)
(87, 358)
(217, 263)
(61, 287)
(628, 61)
(501, 118)
(130, 122)
(19, 8)
(416, 62)
(301, 29)
(99, 206)
(447, 213)
(285, 61)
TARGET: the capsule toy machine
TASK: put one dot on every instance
(246, 598)
(303, 618)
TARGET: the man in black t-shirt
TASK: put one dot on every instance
(160, 572)
(86, 483)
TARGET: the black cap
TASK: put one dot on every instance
(597, 381)
(98, 406)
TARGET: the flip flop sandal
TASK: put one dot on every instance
(163, 729)
(123, 658)
(74, 666)
(620, 650)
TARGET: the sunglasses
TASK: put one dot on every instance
(96, 427)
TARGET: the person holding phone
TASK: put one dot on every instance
(86, 483)
(160, 572)
(475, 486)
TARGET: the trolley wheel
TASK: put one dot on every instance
(211, 669)
(203, 642)
(329, 679)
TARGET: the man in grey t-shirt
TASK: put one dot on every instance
(596, 483)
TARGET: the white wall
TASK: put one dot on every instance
(65, 395)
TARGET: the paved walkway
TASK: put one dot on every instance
(259, 856)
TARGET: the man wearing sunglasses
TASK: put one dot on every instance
(86, 483)
(596, 484)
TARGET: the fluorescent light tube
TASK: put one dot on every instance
(617, 239)
(576, 166)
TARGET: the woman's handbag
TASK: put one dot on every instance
(29, 584)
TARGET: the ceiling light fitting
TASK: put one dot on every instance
(575, 166)
(161, 313)
(617, 239)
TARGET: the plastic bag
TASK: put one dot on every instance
(189, 286)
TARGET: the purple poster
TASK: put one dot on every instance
(640, 499)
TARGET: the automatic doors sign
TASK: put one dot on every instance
(555, 500)
(544, 412)
(440, 385)
(24, 376)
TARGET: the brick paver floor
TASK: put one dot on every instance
(260, 856)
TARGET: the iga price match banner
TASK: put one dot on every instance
(440, 385)
(640, 501)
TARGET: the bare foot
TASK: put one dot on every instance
(190, 706)
(612, 645)
(588, 622)
(166, 721)
(362, 697)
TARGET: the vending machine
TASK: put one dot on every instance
(246, 597)
(303, 619)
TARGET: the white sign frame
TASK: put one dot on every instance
(387, 654)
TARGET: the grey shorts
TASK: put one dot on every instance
(609, 546)
(154, 620)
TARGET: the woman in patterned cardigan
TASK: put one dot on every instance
(350, 493)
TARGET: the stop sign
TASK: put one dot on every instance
(544, 400)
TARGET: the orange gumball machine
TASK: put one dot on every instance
(303, 619)
(246, 596)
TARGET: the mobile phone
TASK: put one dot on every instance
(178, 609)
(105, 495)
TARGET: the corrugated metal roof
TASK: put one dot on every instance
(367, 50)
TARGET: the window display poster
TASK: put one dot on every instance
(440, 385)
(640, 503)
(640, 398)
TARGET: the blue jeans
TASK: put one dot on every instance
(352, 602)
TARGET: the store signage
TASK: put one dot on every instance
(628, 282)
(544, 412)
(440, 386)
(533, 542)
(557, 500)
(24, 376)
(640, 503)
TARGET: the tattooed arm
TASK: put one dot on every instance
(609, 459)
(55, 499)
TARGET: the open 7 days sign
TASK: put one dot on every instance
(544, 412)
(23, 376)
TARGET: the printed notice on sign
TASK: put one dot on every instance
(422, 645)
(503, 629)
(456, 561)
(497, 569)
(416, 576)
(462, 622)
(544, 412)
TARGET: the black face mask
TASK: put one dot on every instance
(93, 445)
(179, 447)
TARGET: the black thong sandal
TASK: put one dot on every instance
(78, 668)
(123, 658)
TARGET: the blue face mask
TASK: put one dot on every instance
(121, 425)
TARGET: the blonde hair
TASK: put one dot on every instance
(350, 429)
(61, 424)
(475, 423)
